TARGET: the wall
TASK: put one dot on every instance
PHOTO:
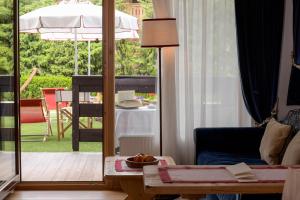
(285, 65)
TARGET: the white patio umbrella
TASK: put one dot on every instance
(74, 19)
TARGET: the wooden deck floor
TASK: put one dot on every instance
(70, 166)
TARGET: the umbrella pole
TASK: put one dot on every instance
(76, 53)
(89, 58)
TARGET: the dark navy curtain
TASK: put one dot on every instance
(259, 26)
(293, 93)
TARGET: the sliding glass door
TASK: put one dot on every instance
(98, 56)
(66, 144)
(9, 165)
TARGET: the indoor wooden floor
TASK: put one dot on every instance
(7, 169)
(67, 195)
(70, 166)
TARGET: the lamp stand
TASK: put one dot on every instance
(158, 33)
(160, 101)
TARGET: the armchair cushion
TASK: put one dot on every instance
(273, 141)
(292, 153)
(223, 158)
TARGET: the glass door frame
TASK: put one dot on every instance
(11, 184)
(108, 45)
(109, 77)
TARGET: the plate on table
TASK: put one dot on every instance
(125, 107)
(130, 104)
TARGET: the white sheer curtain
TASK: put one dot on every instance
(207, 88)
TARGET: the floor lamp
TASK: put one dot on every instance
(159, 33)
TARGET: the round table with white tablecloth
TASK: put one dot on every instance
(138, 121)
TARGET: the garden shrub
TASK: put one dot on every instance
(33, 90)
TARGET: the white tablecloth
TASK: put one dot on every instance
(139, 121)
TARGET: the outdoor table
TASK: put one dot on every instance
(137, 121)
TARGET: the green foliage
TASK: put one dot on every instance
(34, 88)
(6, 60)
(30, 5)
(131, 59)
(6, 37)
(6, 48)
(57, 57)
(148, 8)
(146, 4)
(119, 4)
(5, 13)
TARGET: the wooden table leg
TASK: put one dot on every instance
(90, 122)
(58, 121)
(134, 189)
(61, 125)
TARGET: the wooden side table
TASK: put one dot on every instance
(130, 182)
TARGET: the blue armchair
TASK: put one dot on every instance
(217, 146)
(228, 145)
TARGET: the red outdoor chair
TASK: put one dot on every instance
(50, 98)
(32, 111)
(64, 112)
(63, 99)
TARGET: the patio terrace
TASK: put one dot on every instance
(54, 160)
(70, 166)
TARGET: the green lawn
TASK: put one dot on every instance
(52, 144)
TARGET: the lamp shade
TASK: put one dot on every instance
(160, 32)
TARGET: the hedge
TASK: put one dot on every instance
(33, 90)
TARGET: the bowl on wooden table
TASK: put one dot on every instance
(141, 160)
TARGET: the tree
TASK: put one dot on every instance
(57, 57)
(131, 59)
(6, 37)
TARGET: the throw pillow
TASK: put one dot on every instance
(292, 153)
(273, 141)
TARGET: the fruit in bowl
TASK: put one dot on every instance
(148, 158)
(140, 157)
(140, 160)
